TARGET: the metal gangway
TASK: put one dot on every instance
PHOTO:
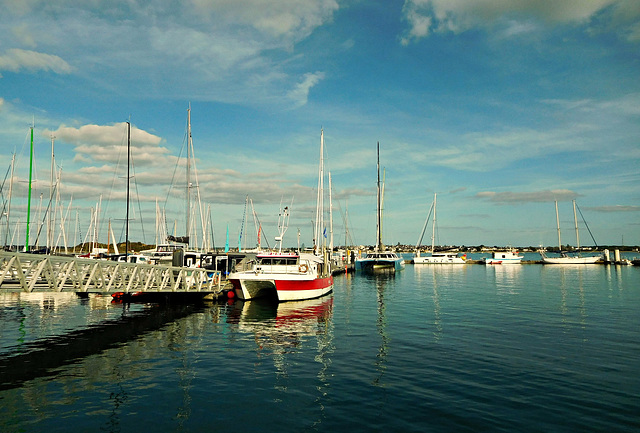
(51, 273)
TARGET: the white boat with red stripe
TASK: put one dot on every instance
(290, 276)
(286, 276)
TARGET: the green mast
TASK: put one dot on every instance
(26, 242)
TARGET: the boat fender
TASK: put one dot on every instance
(303, 268)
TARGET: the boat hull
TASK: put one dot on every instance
(438, 260)
(503, 258)
(491, 261)
(251, 286)
(570, 260)
(369, 265)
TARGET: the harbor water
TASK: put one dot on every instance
(433, 348)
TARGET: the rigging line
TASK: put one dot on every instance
(586, 225)
(55, 187)
(133, 168)
(426, 223)
(5, 180)
(257, 219)
(197, 186)
(175, 170)
(121, 148)
(345, 221)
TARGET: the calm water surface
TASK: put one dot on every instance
(475, 348)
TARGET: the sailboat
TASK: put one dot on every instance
(564, 258)
(178, 250)
(289, 276)
(435, 258)
(380, 258)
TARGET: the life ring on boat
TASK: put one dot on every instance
(303, 268)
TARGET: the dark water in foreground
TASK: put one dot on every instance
(525, 348)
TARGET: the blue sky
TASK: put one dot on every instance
(498, 106)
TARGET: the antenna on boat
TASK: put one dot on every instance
(283, 224)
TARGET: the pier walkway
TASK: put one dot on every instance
(48, 273)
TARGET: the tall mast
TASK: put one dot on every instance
(378, 205)
(50, 220)
(320, 200)
(575, 219)
(26, 242)
(188, 228)
(244, 219)
(433, 228)
(330, 218)
(346, 222)
(558, 225)
(128, 182)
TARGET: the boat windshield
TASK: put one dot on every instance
(278, 261)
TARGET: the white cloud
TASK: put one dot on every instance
(105, 143)
(222, 50)
(427, 16)
(616, 208)
(290, 19)
(579, 126)
(16, 59)
(104, 135)
(300, 93)
(509, 197)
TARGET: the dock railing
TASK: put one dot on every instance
(34, 272)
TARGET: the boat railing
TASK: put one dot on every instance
(282, 269)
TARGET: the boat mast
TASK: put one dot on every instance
(433, 228)
(330, 217)
(558, 225)
(128, 182)
(244, 219)
(320, 199)
(575, 219)
(188, 232)
(346, 222)
(26, 242)
(50, 220)
(378, 205)
(6, 236)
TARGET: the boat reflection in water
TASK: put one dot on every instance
(280, 329)
(284, 324)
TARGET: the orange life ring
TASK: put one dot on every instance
(303, 268)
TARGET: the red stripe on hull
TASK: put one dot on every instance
(318, 283)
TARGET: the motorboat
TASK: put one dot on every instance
(503, 258)
(439, 258)
(287, 276)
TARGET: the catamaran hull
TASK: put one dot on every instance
(250, 287)
(379, 265)
(438, 260)
(570, 260)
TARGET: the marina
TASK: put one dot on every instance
(429, 349)
(182, 251)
